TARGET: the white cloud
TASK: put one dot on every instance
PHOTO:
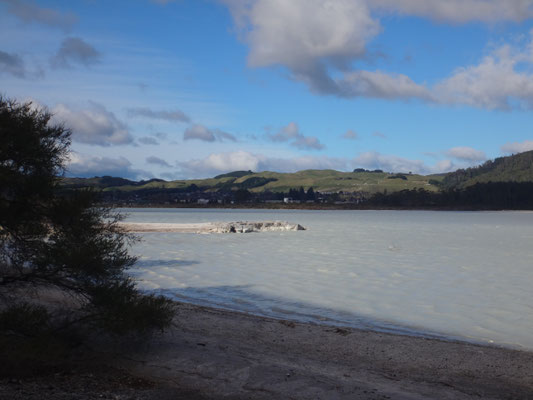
(517, 147)
(28, 11)
(95, 125)
(460, 11)
(377, 84)
(173, 116)
(350, 135)
(74, 50)
(502, 80)
(391, 163)
(200, 132)
(157, 161)
(291, 133)
(218, 163)
(241, 160)
(466, 154)
(86, 166)
(300, 36)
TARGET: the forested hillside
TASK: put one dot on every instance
(515, 168)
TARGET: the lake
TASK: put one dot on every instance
(454, 275)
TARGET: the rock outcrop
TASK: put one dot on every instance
(247, 227)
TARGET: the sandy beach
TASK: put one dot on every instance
(222, 354)
(217, 354)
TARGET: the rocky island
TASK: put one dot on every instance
(212, 227)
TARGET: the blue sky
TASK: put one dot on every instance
(194, 88)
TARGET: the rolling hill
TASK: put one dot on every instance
(320, 180)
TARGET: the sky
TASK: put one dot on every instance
(194, 88)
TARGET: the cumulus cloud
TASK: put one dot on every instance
(157, 161)
(12, 64)
(74, 50)
(86, 166)
(350, 135)
(200, 132)
(28, 11)
(460, 11)
(148, 140)
(299, 36)
(241, 160)
(517, 147)
(466, 154)
(291, 133)
(502, 80)
(95, 125)
(173, 116)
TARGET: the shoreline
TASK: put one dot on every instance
(230, 354)
(311, 207)
(215, 354)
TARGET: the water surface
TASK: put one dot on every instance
(459, 275)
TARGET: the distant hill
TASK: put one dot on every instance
(103, 182)
(515, 168)
(320, 180)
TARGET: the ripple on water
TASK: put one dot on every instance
(458, 274)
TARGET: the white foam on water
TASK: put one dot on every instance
(456, 274)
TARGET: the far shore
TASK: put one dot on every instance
(300, 206)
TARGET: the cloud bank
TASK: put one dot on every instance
(466, 154)
(218, 163)
(85, 166)
(94, 125)
(517, 147)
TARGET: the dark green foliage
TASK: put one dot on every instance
(120, 308)
(242, 195)
(25, 319)
(254, 181)
(481, 196)
(516, 168)
(398, 176)
(310, 194)
(60, 241)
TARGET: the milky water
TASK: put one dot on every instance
(455, 275)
